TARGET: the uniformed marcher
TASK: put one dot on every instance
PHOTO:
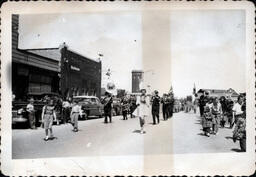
(107, 102)
(164, 102)
(125, 107)
(170, 105)
(74, 115)
(31, 113)
(155, 100)
(48, 115)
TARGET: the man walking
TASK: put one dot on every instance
(66, 110)
(155, 107)
(107, 101)
(165, 106)
(125, 106)
(75, 111)
(31, 113)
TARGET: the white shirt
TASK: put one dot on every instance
(65, 104)
(210, 105)
(76, 109)
(237, 109)
(30, 107)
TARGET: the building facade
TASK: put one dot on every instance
(57, 70)
(231, 93)
(31, 72)
(79, 75)
(137, 76)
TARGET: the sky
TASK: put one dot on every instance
(207, 48)
(116, 36)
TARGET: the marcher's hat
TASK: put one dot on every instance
(107, 93)
(31, 100)
(143, 90)
(156, 92)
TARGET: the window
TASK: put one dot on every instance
(93, 100)
(38, 83)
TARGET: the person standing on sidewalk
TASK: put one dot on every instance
(237, 110)
(66, 110)
(207, 121)
(229, 113)
(155, 100)
(48, 115)
(216, 113)
(107, 101)
(31, 113)
(240, 129)
(202, 102)
(74, 115)
(132, 105)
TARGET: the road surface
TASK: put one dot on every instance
(178, 135)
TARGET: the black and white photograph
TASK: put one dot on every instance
(131, 83)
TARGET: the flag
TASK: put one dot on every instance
(194, 89)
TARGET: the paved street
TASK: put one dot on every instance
(181, 134)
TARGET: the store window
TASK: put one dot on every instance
(38, 83)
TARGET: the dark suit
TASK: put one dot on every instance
(155, 108)
(107, 101)
(165, 107)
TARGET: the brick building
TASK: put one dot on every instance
(59, 70)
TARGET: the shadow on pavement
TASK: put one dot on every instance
(229, 137)
(236, 150)
(202, 134)
(136, 131)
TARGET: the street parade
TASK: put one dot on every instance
(215, 113)
(110, 103)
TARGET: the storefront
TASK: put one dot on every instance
(59, 70)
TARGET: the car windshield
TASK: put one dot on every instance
(82, 99)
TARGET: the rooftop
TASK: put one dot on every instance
(53, 53)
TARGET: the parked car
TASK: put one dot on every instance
(90, 106)
(19, 112)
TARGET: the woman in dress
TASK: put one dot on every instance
(207, 121)
(216, 113)
(48, 115)
(142, 109)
